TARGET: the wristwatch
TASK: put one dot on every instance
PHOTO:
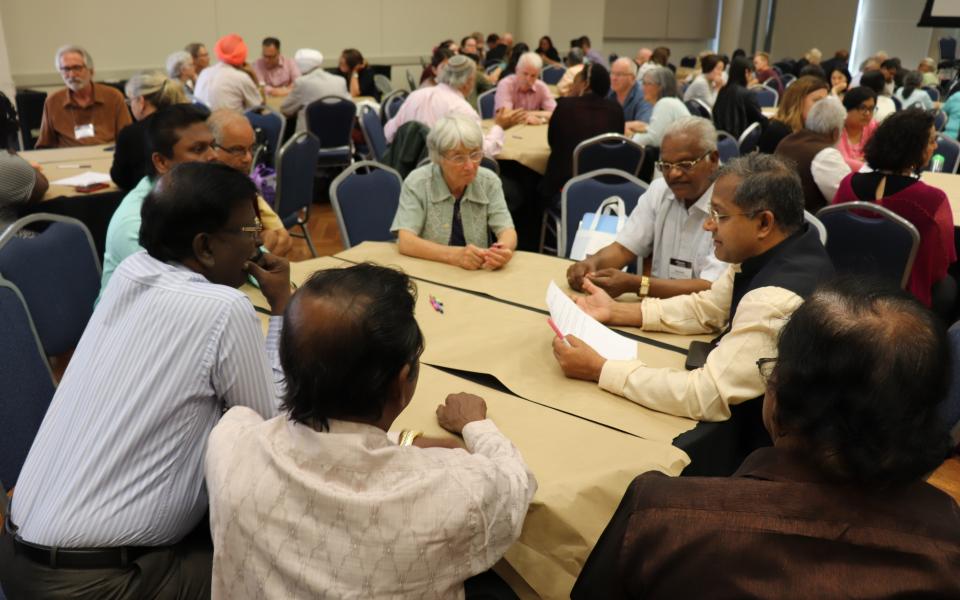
(644, 287)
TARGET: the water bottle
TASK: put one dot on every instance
(936, 163)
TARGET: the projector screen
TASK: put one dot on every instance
(940, 13)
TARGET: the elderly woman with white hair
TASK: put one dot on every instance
(180, 67)
(660, 90)
(448, 208)
(147, 92)
(525, 90)
(813, 150)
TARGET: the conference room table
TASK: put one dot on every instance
(93, 209)
(583, 444)
(526, 144)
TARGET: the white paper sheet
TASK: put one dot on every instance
(570, 319)
(87, 178)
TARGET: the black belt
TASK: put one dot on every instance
(77, 558)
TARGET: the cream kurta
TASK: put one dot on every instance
(730, 375)
(297, 513)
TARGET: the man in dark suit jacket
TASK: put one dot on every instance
(838, 506)
(587, 113)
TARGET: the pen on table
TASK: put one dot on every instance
(73, 166)
(556, 330)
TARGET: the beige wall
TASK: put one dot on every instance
(824, 24)
(125, 36)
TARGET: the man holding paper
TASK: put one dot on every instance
(756, 220)
(667, 224)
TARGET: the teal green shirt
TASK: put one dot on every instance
(426, 207)
(123, 233)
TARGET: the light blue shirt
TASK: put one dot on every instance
(635, 107)
(123, 233)
(118, 459)
(918, 98)
(952, 109)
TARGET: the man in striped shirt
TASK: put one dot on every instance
(111, 499)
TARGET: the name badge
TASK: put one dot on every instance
(680, 269)
(83, 131)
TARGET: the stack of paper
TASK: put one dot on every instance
(571, 319)
(88, 178)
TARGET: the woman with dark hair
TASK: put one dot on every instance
(736, 107)
(839, 81)
(897, 152)
(548, 52)
(707, 84)
(441, 54)
(912, 92)
(861, 104)
(20, 182)
(585, 114)
(885, 104)
(357, 73)
(792, 111)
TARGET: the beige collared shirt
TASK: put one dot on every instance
(347, 513)
(730, 375)
(63, 118)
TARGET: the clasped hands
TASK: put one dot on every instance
(471, 257)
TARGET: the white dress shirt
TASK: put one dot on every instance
(225, 86)
(118, 459)
(660, 224)
(298, 513)
(828, 169)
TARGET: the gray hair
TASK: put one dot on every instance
(71, 49)
(664, 78)
(698, 128)
(575, 57)
(629, 61)
(451, 131)
(767, 182)
(222, 118)
(531, 59)
(156, 88)
(458, 71)
(175, 63)
(826, 117)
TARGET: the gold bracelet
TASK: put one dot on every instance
(644, 287)
(408, 435)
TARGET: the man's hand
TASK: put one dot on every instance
(469, 257)
(614, 281)
(273, 276)
(578, 360)
(422, 441)
(460, 410)
(597, 303)
(497, 257)
(577, 271)
(508, 117)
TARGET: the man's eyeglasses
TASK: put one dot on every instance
(461, 159)
(718, 218)
(237, 150)
(253, 231)
(72, 68)
(685, 166)
(765, 366)
(867, 109)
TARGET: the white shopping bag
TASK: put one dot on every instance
(599, 229)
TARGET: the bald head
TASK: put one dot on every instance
(234, 138)
(643, 55)
(623, 75)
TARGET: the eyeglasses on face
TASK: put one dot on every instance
(461, 159)
(72, 68)
(684, 165)
(765, 367)
(253, 231)
(718, 218)
(236, 150)
(867, 109)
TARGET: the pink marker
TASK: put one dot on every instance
(556, 330)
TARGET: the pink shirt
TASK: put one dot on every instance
(430, 104)
(509, 95)
(282, 75)
(853, 153)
